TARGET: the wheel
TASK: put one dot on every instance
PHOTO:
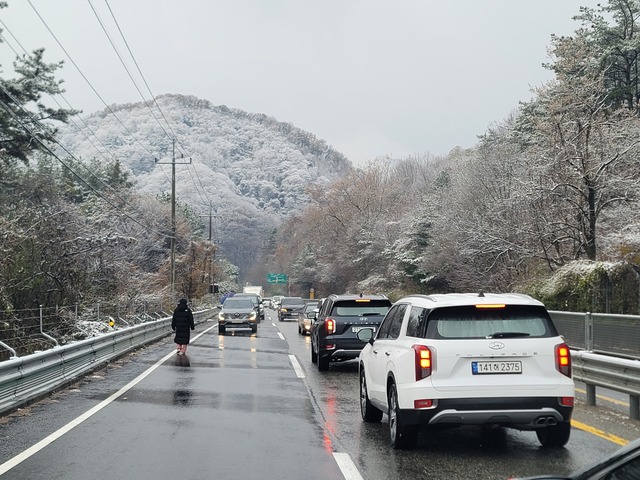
(554, 436)
(314, 355)
(254, 328)
(402, 436)
(299, 330)
(220, 330)
(369, 412)
(323, 362)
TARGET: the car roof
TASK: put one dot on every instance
(354, 296)
(464, 299)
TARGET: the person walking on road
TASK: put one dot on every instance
(182, 323)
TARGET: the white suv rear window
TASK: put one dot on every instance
(511, 321)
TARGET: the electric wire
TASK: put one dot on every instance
(87, 80)
(135, 62)
(35, 136)
(201, 191)
(71, 118)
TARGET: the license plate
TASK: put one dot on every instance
(357, 329)
(237, 321)
(487, 368)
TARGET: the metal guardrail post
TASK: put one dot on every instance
(588, 332)
(634, 407)
(588, 343)
(42, 331)
(7, 347)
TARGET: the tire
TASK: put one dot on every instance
(323, 362)
(370, 414)
(402, 437)
(220, 330)
(554, 436)
(254, 328)
(314, 355)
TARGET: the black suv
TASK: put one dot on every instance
(334, 333)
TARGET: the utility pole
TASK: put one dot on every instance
(173, 213)
(211, 217)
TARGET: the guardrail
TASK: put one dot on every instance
(619, 374)
(27, 378)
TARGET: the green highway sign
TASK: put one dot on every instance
(276, 278)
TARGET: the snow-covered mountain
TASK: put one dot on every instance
(249, 169)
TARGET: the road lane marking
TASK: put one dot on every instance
(346, 466)
(599, 433)
(18, 459)
(296, 366)
(606, 399)
(281, 336)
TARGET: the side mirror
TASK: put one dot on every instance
(365, 335)
(218, 307)
(312, 315)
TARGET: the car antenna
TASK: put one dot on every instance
(481, 294)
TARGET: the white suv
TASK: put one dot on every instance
(467, 359)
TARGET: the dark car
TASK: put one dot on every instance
(341, 317)
(237, 313)
(623, 464)
(307, 316)
(290, 308)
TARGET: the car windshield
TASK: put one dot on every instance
(361, 307)
(310, 307)
(511, 321)
(238, 303)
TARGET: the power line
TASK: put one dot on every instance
(36, 137)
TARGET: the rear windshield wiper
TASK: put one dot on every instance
(509, 335)
(368, 314)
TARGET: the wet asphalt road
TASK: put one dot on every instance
(255, 407)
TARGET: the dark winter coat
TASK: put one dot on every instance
(182, 323)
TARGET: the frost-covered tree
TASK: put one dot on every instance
(581, 149)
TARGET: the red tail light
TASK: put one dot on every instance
(563, 359)
(330, 323)
(424, 361)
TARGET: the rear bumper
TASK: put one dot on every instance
(518, 412)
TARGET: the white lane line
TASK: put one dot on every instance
(281, 335)
(296, 366)
(346, 466)
(18, 459)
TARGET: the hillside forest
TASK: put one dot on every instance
(546, 203)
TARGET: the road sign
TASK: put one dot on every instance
(276, 278)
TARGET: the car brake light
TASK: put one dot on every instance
(563, 359)
(567, 401)
(423, 403)
(424, 361)
(491, 305)
(330, 323)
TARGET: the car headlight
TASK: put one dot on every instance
(252, 315)
(221, 316)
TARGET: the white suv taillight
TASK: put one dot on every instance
(424, 361)
(563, 359)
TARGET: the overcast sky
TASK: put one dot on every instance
(370, 77)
